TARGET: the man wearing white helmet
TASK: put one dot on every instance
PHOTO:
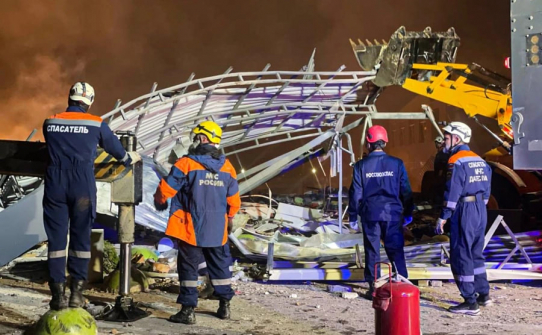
(70, 190)
(468, 188)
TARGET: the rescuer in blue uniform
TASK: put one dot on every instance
(203, 185)
(72, 138)
(468, 189)
(381, 195)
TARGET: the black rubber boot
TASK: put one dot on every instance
(223, 311)
(58, 300)
(76, 297)
(186, 316)
(369, 293)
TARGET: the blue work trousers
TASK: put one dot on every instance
(391, 232)
(189, 261)
(69, 205)
(467, 228)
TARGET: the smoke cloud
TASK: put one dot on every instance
(38, 91)
(122, 47)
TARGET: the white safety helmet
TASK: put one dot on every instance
(83, 92)
(460, 129)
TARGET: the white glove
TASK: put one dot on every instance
(439, 229)
(354, 225)
(134, 156)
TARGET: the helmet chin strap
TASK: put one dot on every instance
(452, 147)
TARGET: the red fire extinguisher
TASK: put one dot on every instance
(397, 306)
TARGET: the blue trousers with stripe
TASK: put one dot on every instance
(189, 261)
(467, 228)
(69, 205)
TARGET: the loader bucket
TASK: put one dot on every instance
(393, 60)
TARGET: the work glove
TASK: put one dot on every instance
(354, 225)
(230, 225)
(134, 157)
(407, 221)
(158, 205)
(439, 229)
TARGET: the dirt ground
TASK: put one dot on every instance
(267, 308)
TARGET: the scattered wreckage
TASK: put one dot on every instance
(293, 237)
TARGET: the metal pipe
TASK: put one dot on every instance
(125, 268)
(355, 274)
(350, 149)
(340, 193)
(31, 135)
(431, 117)
(504, 144)
(270, 255)
(125, 229)
(363, 132)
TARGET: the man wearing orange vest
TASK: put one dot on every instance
(203, 185)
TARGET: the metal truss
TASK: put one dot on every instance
(277, 106)
(255, 109)
(13, 189)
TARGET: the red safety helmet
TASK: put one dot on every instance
(377, 133)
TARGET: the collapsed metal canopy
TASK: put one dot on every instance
(255, 109)
(278, 106)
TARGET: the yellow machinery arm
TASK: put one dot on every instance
(424, 63)
(474, 100)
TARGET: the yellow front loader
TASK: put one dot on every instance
(424, 63)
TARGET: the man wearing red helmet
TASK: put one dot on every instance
(381, 195)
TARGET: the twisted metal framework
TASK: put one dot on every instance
(256, 109)
(277, 106)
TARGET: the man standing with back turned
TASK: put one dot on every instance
(468, 189)
(205, 195)
(380, 194)
(70, 190)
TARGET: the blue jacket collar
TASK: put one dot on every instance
(75, 109)
(460, 148)
(377, 153)
(208, 156)
(210, 163)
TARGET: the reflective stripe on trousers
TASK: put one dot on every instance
(189, 261)
(467, 228)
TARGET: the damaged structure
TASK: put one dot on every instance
(257, 110)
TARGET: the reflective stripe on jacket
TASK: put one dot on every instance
(468, 174)
(73, 136)
(205, 193)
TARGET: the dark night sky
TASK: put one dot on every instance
(122, 47)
